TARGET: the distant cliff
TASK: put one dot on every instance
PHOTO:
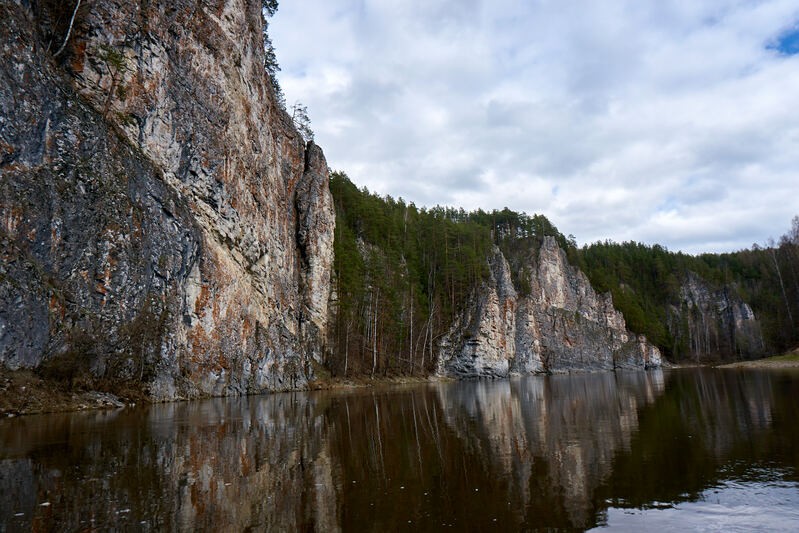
(428, 290)
(714, 323)
(162, 222)
(466, 294)
(561, 325)
(701, 308)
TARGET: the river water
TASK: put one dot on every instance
(696, 449)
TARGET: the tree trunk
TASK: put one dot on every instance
(782, 286)
(374, 336)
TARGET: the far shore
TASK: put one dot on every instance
(24, 392)
(788, 360)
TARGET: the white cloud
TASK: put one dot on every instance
(669, 122)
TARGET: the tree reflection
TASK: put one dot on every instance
(528, 452)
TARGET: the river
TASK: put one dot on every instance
(698, 449)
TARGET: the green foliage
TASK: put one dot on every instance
(645, 282)
(114, 59)
(299, 116)
(518, 235)
(268, 10)
(408, 270)
(403, 274)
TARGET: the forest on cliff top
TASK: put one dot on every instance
(403, 273)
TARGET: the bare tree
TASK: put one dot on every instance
(69, 30)
(299, 115)
(773, 252)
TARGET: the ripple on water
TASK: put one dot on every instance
(750, 504)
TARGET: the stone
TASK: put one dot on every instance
(163, 223)
(714, 323)
(563, 325)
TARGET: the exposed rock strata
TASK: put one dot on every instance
(162, 222)
(562, 325)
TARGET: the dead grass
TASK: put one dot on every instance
(24, 392)
(787, 360)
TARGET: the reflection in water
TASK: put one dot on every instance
(539, 451)
(554, 438)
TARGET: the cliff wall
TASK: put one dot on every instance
(562, 325)
(162, 222)
(713, 323)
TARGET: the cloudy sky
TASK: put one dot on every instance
(662, 121)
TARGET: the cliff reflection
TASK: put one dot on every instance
(528, 452)
(554, 437)
(230, 464)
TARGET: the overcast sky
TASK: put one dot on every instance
(663, 121)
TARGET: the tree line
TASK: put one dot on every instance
(403, 274)
(646, 283)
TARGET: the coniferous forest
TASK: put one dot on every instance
(402, 274)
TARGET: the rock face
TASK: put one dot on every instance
(714, 323)
(161, 220)
(561, 326)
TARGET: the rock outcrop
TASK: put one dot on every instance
(714, 323)
(562, 325)
(162, 223)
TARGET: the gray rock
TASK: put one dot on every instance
(713, 323)
(563, 325)
(161, 220)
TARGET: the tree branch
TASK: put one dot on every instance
(71, 22)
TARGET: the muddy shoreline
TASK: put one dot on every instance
(24, 392)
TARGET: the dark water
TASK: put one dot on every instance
(687, 449)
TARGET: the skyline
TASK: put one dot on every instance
(671, 124)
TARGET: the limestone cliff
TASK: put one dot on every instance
(562, 325)
(162, 222)
(714, 323)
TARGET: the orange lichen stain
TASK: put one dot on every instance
(56, 307)
(246, 328)
(215, 310)
(202, 300)
(198, 340)
(107, 280)
(79, 54)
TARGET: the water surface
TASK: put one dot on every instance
(705, 449)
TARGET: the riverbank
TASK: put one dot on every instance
(788, 360)
(23, 392)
